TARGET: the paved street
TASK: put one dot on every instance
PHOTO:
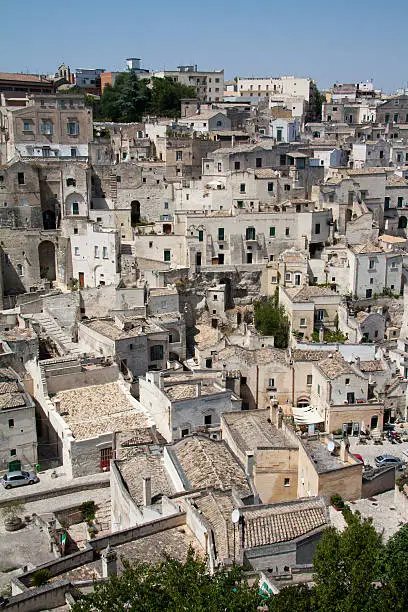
(370, 450)
(49, 484)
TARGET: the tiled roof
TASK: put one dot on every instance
(209, 463)
(90, 411)
(368, 247)
(283, 522)
(356, 172)
(107, 327)
(265, 173)
(335, 366)
(9, 387)
(11, 400)
(257, 356)
(374, 365)
(217, 507)
(251, 430)
(29, 78)
(140, 466)
(306, 293)
(308, 355)
(394, 180)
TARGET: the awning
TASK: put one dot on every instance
(306, 415)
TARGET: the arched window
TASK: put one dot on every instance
(402, 223)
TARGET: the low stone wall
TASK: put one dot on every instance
(378, 482)
(46, 597)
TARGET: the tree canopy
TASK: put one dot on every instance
(173, 586)
(270, 320)
(130, 98)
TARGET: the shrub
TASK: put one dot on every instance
(337, 501)
(88, 509)
(40, 577)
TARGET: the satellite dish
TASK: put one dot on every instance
(235, 516)
(331, 446)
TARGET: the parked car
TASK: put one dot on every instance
(388, 460)
(18, 479)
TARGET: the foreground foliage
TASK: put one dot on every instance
(270, 320)
(172, 585)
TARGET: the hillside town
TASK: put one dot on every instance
(203, 324)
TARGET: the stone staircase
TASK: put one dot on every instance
(51, 327)
(113, 187)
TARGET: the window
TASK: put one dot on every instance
(318, 389)
(286, 482)
(395, 117)
(237, 165)
(240, 203)
(272, 232)
(20, 178)
(387, 118)
(287, 231)
(75, 230)
(179, 155)
(219, 167)
(184, 432)
(371, 264)
(258, 162)
(11, 423)
(287, 187)
(369, 293)
(76, 251)
(221, 259)
(250, 233)
(20, 269)
(71, 182)
(347, 382)
(118, 179)
(221, 233)
(156, 352)
(303, 322)
(207, 419)
(371, 281)
(317, 228)
(381, 154)
(27, 126)
(242, 187)
(166, 255)
(72, 128)
(270, 186)
(105, 252)
(166, 205)
(271, 382)
(46, 127)
(13, 452)
(400, 202)
(320, 314)
(200, 235)
(309, 379)
(386, 203)
(75, 208)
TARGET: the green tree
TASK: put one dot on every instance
(133, 97)
(346, 566)
(173, 586)
(316, 100)
(295, 598)
(167, 95)
(395, 569)
(270, 320)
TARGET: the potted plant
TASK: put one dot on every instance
(337, 502)
(11, 515)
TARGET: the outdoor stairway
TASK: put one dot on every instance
(56, 333)
(376, 434)
(113, 186)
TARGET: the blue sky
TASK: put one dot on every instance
(329, 41)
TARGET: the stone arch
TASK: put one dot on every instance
(46, 257)
(134, 213)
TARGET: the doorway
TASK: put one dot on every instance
(374, 422)
(81, 280)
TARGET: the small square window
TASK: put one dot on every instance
(303, 322)
(309, 379)
(75, 230)
(347, 381)
(287, 231)
(207, 419)
(11, 423)
(286, 482)
(13, 452)
(20, 178)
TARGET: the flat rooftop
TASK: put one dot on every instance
(97, 409)
(107, 327)
(323, 459)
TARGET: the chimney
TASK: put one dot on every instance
(161, 381)
(249, 463)
(321, 334)
(147, 491)
(358, 362)
(273, 412)
(109, 562)
(198, 389)
(57, 404)
(279, 418)
(344, 446)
